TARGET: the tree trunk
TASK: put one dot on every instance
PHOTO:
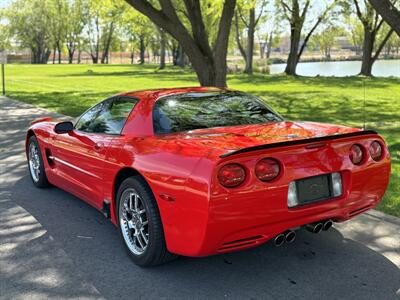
(95, 59)
(54, 55)
(181, 57)
(209, 64)
(388, 12)
(269, 45)
(162, 50)
(46, 55)
(132, 57)
(262, 50)
(71, 51)
(250, 42)
(104, 57)
(294, 49)
(175, 53)
(79, 56)
(368, 48)
(238, 40)
(59, 52)
(142, 50)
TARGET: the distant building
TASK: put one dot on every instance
(343, 42)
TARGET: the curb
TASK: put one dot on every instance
(383, 217)
(19, 104)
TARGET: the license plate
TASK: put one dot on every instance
(314, 189)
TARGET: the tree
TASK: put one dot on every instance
(29, 23)
(77, 12)
(178, 56)
(355, 33)
(139, 29)
(208, 59)
(246, 10)
(297, 17)
(101, 21)
(58, 23)
(269, 33)
(388, 12)
(4, 38)
(392, 45)
(325, 40)
(162, 48)
(372, 23)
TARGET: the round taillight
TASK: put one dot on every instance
(231, 175)
(375, 150)
(267, 169)
(356, 154)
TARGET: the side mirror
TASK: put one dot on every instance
(64, 127)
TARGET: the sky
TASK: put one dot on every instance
(4, 3)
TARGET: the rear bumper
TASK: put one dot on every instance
(251, 237)
(247, 220)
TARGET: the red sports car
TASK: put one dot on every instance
(201, 171)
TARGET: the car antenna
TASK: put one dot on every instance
(364, 108)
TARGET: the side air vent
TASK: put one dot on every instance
(240, 243)
(359, 210)
(49, 157)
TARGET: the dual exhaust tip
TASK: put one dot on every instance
(319, 226)
(289, 236)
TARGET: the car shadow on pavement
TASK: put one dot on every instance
(313, 267)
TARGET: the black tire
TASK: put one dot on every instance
(156, 252)
(41, 180)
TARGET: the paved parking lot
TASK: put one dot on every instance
(52, 245)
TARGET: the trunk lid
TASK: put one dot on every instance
(222, 140)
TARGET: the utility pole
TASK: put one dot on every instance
(3, 61)
(3, 81)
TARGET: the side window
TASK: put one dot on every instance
(110, 118)
(84, 122)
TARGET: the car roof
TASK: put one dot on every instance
(153, 94)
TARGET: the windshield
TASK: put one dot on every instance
(190, 111)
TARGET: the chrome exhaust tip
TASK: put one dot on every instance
(327, 225)
(290, 236)
(279, 240)
(315, 227)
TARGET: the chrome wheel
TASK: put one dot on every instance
(133, 221)
(34, 162)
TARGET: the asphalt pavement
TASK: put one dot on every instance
(52, 245)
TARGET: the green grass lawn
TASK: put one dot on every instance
(70, 89)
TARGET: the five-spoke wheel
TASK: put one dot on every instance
(140, 223)
(133, 221)
(35, 163)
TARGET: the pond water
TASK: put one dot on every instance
(382, 68)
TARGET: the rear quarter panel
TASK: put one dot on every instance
(180, 173)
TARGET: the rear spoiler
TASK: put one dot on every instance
(299, 142)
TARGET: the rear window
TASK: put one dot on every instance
(192, 111)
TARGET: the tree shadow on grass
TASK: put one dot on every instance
(70, 103)
(321, 107)
(342, 82)
(151, 74)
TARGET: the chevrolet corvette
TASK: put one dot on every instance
(201, 171)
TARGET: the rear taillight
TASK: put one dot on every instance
(356, 154)
(231, 175)
(267, 169)
(375, 150)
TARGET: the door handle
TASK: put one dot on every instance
(98, 146)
